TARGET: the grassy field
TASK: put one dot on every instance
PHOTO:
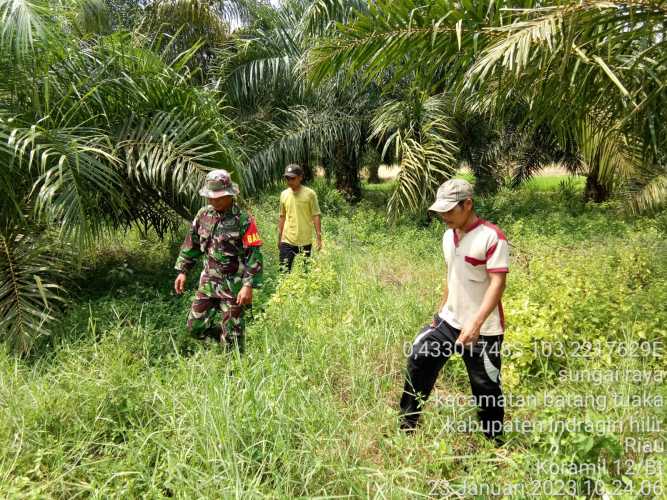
(120, 402)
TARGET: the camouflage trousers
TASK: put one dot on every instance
(210, 298)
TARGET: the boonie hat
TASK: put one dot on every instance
(219, 183)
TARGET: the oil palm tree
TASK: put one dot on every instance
(427, 46)
(597, 73)
(95, 132)
(416, 135)
(604, 60)
(281, 115)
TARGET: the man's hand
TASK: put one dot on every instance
(469, 334)
(179, 284)
(245, 296)
(471, 331)
(319, 242)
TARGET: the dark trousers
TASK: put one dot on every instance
(431, 349)
(288, 252)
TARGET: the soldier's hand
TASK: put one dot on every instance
(179, 284)
(245, 296)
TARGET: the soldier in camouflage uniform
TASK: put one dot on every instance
(228, 238)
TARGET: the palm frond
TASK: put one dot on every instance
(408, 37)
(91, 17)
(417, 132)
(301, 130)
(198, 19)
(266, 63)
(14, 184)
(321, 16)
(166, 157)
(176, 26)
(22, 24)
(105, 139)
(385, 36)
(76, 169)
(514, 50)
(606, 153)
(423, 166)
(31, 292)
(598, 57)
(651, 196)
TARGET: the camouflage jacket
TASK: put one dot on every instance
(230, 242)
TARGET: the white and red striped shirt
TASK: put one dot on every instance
(483, 249)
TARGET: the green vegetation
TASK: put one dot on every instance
(119, 401)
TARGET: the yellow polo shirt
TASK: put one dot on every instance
(298, 209)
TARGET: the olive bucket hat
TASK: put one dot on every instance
(219, 183)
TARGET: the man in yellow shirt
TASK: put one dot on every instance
(299, 214)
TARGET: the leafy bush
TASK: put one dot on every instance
(332, 201)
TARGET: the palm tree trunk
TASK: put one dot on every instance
(373, 159)
(595, 190)
(308, 173)
(486, 182)
(307, 163)
(346, 168)
(374, 173)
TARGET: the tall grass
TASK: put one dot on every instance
(121, 402)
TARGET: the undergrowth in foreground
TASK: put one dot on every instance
(119, 401)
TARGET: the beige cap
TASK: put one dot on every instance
(450, 193)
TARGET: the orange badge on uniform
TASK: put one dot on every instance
(251, 237)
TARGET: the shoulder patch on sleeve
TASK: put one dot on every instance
(251, 236)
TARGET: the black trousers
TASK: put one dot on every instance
(431, 349)
(288, 252)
